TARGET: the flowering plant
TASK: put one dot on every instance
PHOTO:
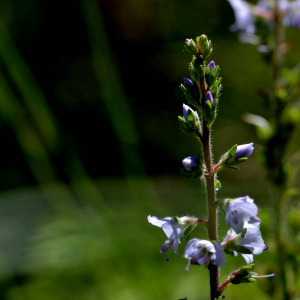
(202, 92)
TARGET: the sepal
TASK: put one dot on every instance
(186, 233)
(209, 113)
(194, 174)
(184, 126)
(216, 89)
(190, 94)
(211, 76)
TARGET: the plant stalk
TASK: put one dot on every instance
(211, 198)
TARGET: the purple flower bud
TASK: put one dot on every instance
(185, 109)
(209, 98)
(188, 82)
(191, 163)
(188, 41)
(211, 65)
(243, 151)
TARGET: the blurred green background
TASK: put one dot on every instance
(89, 99)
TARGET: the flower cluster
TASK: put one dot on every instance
(245, 15)
(244, 236)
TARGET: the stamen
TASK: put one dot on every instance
(188, 265)
(261, 276)
(170, 252)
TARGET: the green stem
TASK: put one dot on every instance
(280, 240)
(211, 198)
(276, 68)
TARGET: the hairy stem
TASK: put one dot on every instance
(211, 198)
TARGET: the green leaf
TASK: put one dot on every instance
(217, 184)
(240, 160)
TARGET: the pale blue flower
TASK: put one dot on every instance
(172, 230)
(292, 14)
(252, 240)
(244, 21)
(201, 252)
(240, 210)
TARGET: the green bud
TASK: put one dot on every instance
(190, 47)
(204, 46)
(241, 275)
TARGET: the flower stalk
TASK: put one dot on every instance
(211, 196)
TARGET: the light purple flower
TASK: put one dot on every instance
(201, 252)
(240, 210)
(172, 230)
(191, 163)
(244, 21)
(209, 98)
(252, 240)
(211, 65)
(185, 109)
(187, 41)
(292, 14)
(218, 258)
(243, 151)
